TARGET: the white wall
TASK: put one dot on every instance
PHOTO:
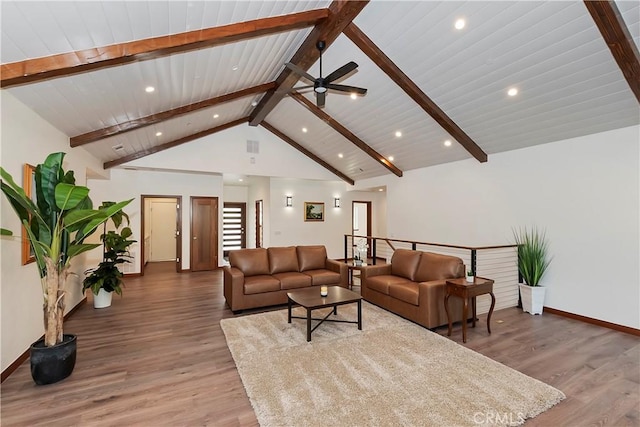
(586, 193)
(27, 138)
(287, 223)
(127, 184)
(226, 152)
(259, 190)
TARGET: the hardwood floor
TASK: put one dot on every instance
(158, 357)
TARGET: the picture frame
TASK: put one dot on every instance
(29, 186)
(313, 211)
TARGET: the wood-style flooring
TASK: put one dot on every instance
(158, 357)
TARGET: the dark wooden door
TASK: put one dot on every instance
(204, 233)
(234, 224)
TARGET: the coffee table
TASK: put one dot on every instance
(310, 299)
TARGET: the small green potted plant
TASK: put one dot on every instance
(56, 225)
(107, 277)
(533, 261)
(470, 277)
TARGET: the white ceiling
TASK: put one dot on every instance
(569, 84)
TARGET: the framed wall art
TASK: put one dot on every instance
(313, 211)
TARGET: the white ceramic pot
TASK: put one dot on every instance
(532, 298)
(103, 299)
(470, 279)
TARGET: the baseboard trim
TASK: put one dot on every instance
(24, 356)
(132, 274)
(597, 322)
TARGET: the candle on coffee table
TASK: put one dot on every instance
(323, 291)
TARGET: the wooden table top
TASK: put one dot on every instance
(311, 298)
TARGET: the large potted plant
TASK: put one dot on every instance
(57, 224)
(107, 277)
(533, 261)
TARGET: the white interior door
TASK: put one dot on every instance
(163, 230)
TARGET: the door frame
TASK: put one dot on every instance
(369, 221)
(178, 199)
(215, 242)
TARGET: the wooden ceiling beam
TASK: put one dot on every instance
(175, 143)
(123, 127)
(615, 33)
(406, 84)
(345, 132)
(306, 152)
(341, 13)
(48, 67)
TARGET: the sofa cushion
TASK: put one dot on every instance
(382, 283)
(323, 277)
(251, 262)
(282, 260)
(404, 263)
(311, 257)
(260, 284)
(407, 292)
(293, 280)
(438, 267)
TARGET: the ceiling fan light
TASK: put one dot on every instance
(320, 89)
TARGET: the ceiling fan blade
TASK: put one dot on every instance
(345, 88)
(342, 71)
(320, 99)
(294, 89)
(299, 71)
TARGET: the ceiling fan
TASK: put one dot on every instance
(322, 84)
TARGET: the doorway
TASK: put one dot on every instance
(161, 230)
(234, 224)
(204, 233)
(361, 223)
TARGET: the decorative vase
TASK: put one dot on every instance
(103, 299)
(52, 364)
(532, 298)
(470, 279)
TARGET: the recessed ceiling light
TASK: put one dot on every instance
(304, 130)
(241, 180)
(254, 103)
(149, 89)
(512, 92)
(235, 68)
(340, 155)
(215, 116)
(380, 189)
(398, 134)
(460, 23)
(390, 158)
(447, 143)
(354, 96)
(158, 133)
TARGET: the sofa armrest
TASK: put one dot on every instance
(233, 286)
(374, 270)
(341, 268)
(431, 299)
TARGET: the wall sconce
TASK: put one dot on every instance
(336, 202)
(289, 202)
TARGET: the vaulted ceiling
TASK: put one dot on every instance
(84, 66)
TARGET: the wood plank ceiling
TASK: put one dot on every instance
(576, 67)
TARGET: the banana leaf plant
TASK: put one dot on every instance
(57, 224)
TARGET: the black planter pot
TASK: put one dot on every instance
(52, 364)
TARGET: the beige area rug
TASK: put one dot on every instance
(391, 373)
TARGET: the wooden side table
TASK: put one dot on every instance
(468, 290)
(351, 265)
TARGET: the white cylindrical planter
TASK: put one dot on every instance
(532, 298)
(470, 279)
(102, 300)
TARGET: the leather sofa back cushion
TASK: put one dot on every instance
(438, 267)
(311, 257)
(283, 260)
(404, 263)
(251, 262)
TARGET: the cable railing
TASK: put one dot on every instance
(499, 263)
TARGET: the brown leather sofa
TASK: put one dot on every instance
(413, 286)
(262, 277)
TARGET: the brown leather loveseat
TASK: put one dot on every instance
(413, 286)
(262, 277)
